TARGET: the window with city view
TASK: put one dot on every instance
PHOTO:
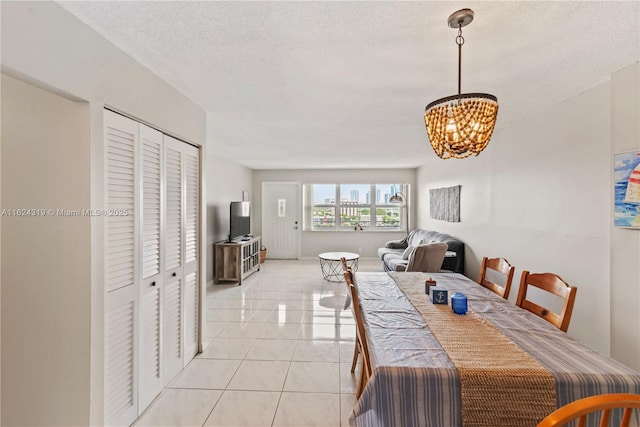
(346, 207)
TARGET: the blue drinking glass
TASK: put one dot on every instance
(459, 303)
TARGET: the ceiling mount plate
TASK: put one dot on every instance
(461, 18)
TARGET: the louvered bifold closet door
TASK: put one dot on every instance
(173, 272)
(151, 289)
(120, 271)
(191, 227)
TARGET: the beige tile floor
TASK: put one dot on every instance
(278, 353)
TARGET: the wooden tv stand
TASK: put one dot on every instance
(236, 260)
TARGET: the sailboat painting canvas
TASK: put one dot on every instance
(626, 175)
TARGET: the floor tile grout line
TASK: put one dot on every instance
(281, 391)
(273, 420)
(257, 390)
(306, 299)
(214, 407)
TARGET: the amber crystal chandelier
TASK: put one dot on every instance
(461, 125)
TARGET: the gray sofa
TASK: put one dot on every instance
(392, 253)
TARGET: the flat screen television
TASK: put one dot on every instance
(240, 220)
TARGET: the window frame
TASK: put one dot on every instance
(338, 205)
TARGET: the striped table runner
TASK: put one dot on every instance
(501, 384)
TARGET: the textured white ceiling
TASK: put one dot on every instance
(344, 84)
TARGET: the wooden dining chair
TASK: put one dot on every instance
(345, 267)
(501, 266)
(348, 279)
(580, 409)
(362, 347)
(347, 302)
(553, 284)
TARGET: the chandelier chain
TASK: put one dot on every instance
(459, 38)
(459, 42)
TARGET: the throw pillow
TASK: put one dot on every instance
(407, 252)
(396, 244)
(399, 244)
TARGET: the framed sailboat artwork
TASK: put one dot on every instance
(626, 181)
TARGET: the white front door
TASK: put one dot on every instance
(281, 219)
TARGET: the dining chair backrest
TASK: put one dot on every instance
(580, 409)
(553, 284)
(501, 266)
(345, 266)
(357, 313)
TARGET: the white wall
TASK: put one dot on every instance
(226, 181)
(625, 243)
(315, 242)
(0, 268)
(539, 196)
(46, 314)
(45, 45)
(0, 262)
(0, 273)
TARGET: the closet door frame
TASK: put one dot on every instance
(202, 271)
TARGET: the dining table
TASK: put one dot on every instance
(496, 365)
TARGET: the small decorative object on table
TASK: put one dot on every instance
(428, 284)
(439, 295)
(459, 303)
(263, 254)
